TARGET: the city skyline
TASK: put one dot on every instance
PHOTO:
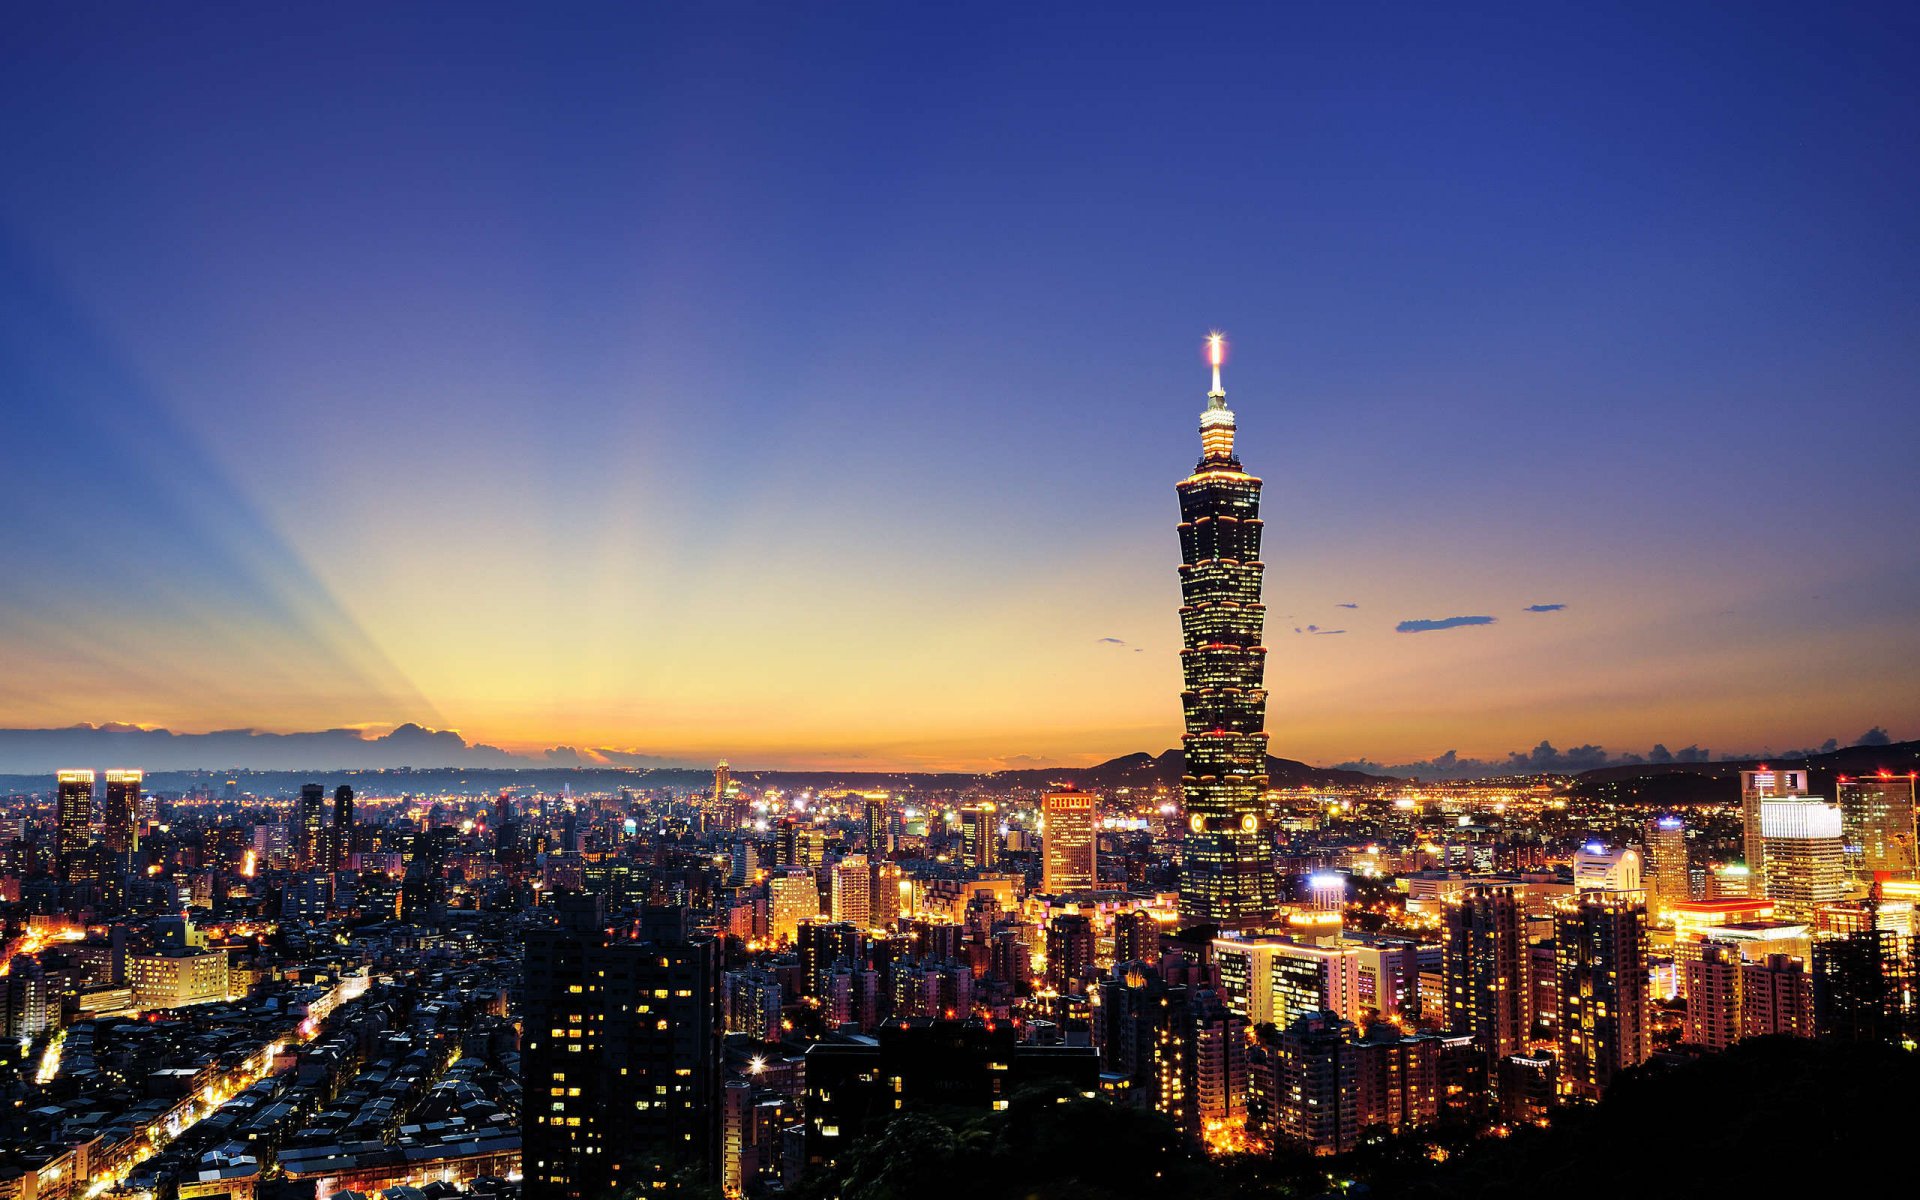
(756, 430)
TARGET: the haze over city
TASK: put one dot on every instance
(806, 387)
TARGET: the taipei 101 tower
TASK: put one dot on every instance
(1229, 875)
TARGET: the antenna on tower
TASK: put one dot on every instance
(1217, 354)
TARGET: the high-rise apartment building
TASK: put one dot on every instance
(853, 891)
(1776, 997)
(1600, 948)
(1802, 856)
(621, 1062)
(123, 816)
(1877, 826)
(1756, 788)
(73, 816)
(1713, 997)
(1071, 842)
(1484, 963)
(1069, 951)
(1228, 873)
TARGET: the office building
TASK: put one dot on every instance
(621, 1061)
(1756, 788)
(1803, 860)
(792, 898)
(879, 824)
(1877, 826)
(341, 835)
(1668, 875)
(309, 827)
(1327, 891)
(980, 837)
(123, 817)
(1598, 868)
(1070, 842)
(73, 816)
(1228, 873)
(1600, 949)
(1485, 967)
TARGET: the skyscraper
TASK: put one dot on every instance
(121, 829)
(309, 825)
(879, 824)
(74, 818)
(1600, 949)
(980, 837)
(1484, 961)
(1071, 842)
(1757, 787)
(1667, 869)
(1229, 877)
(343, 825)
(1877, 825)
(1803, 862)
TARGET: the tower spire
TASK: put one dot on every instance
(1217, 354)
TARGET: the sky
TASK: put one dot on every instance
(807, 384)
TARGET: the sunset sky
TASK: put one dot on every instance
(808, 384)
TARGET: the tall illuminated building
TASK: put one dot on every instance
(1228, 867)
(73, 816)
(121, 828)
(1484, 963)
(1600, 952)
(1803, 861)
(980, 837)
(1877, 826)
(309, 825)
(342, 833)
(852, 885)
(1070, 848)
(1756, 788)
(879, 824)
(1668, 881)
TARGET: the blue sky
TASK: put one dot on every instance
(809, 385)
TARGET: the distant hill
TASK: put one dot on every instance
(1129, 771)
(1143, 770)
(1682, 784)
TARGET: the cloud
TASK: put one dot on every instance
(1874, 737)
(1543, 759)
(1109, 641)
(1346, 606)
(1427, 626)
(1544, 608)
